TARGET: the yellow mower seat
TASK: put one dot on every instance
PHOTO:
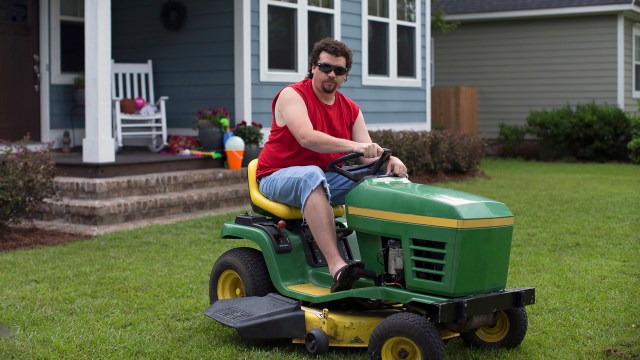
(264, 206)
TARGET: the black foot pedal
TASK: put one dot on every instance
(369, 274)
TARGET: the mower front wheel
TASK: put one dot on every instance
(406, 336)
(508, 332)
(238, 273)
(316, 342)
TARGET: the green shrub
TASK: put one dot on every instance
(590, 132)
(634, 144)
(599, 132)
(510, 139)
(551, 129)
(435, 152)
(26, 178)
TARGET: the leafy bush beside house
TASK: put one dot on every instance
(26, 178)
(591, 132)
(511, 142)
(433, 153)
(634, 144)
(600, 132)
(551, 128)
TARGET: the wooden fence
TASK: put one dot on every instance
(455, 108)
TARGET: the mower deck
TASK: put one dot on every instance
(260, 317)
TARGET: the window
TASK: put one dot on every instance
(636, 62)
(391, 43)
(67, 40)
(289, 28)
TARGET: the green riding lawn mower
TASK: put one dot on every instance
(436, 263)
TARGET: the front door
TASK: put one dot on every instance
(19, 70)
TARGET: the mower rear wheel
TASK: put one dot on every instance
(508, 332)
(238, 273)
(406, 336)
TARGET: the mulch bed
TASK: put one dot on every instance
(12, 238)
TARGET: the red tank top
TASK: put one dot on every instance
(283, 150)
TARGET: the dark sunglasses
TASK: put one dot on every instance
(327, 68)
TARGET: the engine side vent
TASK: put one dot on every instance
(428, 257)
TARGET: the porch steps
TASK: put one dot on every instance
(92, 206)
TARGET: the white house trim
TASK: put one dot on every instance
(620, 55)
(410, 126)
(242, 55)
(405, 126)
(98, 145)
(634, 32)
(582, 10)
(45, 71)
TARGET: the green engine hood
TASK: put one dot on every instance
(391, 195)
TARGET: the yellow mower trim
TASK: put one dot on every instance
(310, 289)
(346, 329)
(431, 221)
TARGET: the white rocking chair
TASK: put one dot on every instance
(130, 81)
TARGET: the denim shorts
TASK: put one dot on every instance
(293, 185)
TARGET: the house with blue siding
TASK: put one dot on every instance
(205, 53)
(524, 55)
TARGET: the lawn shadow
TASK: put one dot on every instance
(286, 347)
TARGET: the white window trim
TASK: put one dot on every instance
(302, 9)
(57, 76)
(636, 33)
(393, 79)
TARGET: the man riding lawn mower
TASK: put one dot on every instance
(432, 265)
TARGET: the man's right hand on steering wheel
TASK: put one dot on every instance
(369, 150)
(350, 172)
(373, 150)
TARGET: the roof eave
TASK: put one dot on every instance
(567, 11)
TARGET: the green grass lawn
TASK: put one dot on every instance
(141, 294)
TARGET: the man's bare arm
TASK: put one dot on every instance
(291, 111)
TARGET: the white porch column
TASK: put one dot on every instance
(98, 145)
(242, 56)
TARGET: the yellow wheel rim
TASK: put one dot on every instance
(230, 285)
(399, 347)
(499, 331)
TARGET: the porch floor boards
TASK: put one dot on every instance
(131, 161)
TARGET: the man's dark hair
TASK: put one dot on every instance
(333, 47)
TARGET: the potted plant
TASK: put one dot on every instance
(78, 89)
(252, 136)
(211, 123)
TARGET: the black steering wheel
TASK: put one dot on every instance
(349, 171)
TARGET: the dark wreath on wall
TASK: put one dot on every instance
(174, 15)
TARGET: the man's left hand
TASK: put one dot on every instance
(397, 167)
